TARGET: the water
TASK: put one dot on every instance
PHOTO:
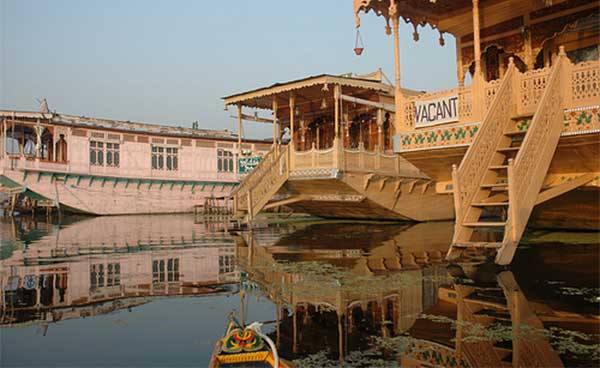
(157, 291)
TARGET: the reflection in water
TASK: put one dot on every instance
(364, 294)
(380, 295)
(103, 264)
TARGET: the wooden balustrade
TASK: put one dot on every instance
(469, 176)
(528, 90)
(270, 180)
(254, 177)
(527, 172)
(350, 160)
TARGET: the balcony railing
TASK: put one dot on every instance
(15, 162)
(313, 161)
(584, 90)
(581, 91)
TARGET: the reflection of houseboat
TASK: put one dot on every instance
(102, 167)
(525, 132)
(108, 263)
(385, 273)
(395, 286)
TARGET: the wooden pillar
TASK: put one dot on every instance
(336, 119)
(318, 143)
(38, 142)
(3, 143)
(292, 116)
(380, 139)
(459, 67)
(340, 337)
(477, 86)
(294, 329)
(239, 113)
(275, 130)
(400, 124)
(476, 39)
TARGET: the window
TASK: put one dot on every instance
(105, 275)
(96, 153)
(99, 151)
(226, 263)
(224, 161)
(112, 154)
(165, 158)
(171, 158)
(170, 273)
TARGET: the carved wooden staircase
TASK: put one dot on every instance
(500, 177)
(258, 187)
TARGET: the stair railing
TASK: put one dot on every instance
(269, 182)
(468, 178)
(527, 172)
(240, 194)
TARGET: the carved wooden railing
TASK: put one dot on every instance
(532, 85)
(251, 180)
(527, 172)
(467, 179)
(269, 181)
(313, 158)
(585, 84)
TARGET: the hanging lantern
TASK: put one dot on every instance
(359, 46)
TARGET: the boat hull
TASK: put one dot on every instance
(99, 195)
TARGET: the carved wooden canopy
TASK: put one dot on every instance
(454, 16)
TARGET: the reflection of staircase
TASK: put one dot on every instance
(503, 306)
(258, 187)
(500, 177)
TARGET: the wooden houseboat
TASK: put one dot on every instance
(108, 167)
(524, 135)
(99, 265)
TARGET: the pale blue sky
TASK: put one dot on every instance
(171, 62)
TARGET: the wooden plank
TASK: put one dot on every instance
(563, 188)
(287, 201)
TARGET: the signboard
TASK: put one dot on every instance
(437, 111)
(247, 164)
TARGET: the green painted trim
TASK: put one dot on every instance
(172, 184)
(150, 185)
(115, 183)
(91, 181)
(39, 177)
(127, 183)
(78, 180)
(182, 186)
(25, 175)
(103, 181)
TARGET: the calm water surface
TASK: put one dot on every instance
(157, 291)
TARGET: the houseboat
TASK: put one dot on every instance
(109, 167)
(99, 265)
(523, 136)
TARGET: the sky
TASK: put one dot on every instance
(171, 62)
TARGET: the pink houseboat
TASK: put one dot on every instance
(108, 167)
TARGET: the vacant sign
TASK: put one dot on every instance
(437, 111)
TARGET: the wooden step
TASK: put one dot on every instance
(495, 186)
(477, 245)
(489, 204)
(515, 133)
(522, 116)
(484, 224)
(508, 149)
(499, 167)
(486, 303)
